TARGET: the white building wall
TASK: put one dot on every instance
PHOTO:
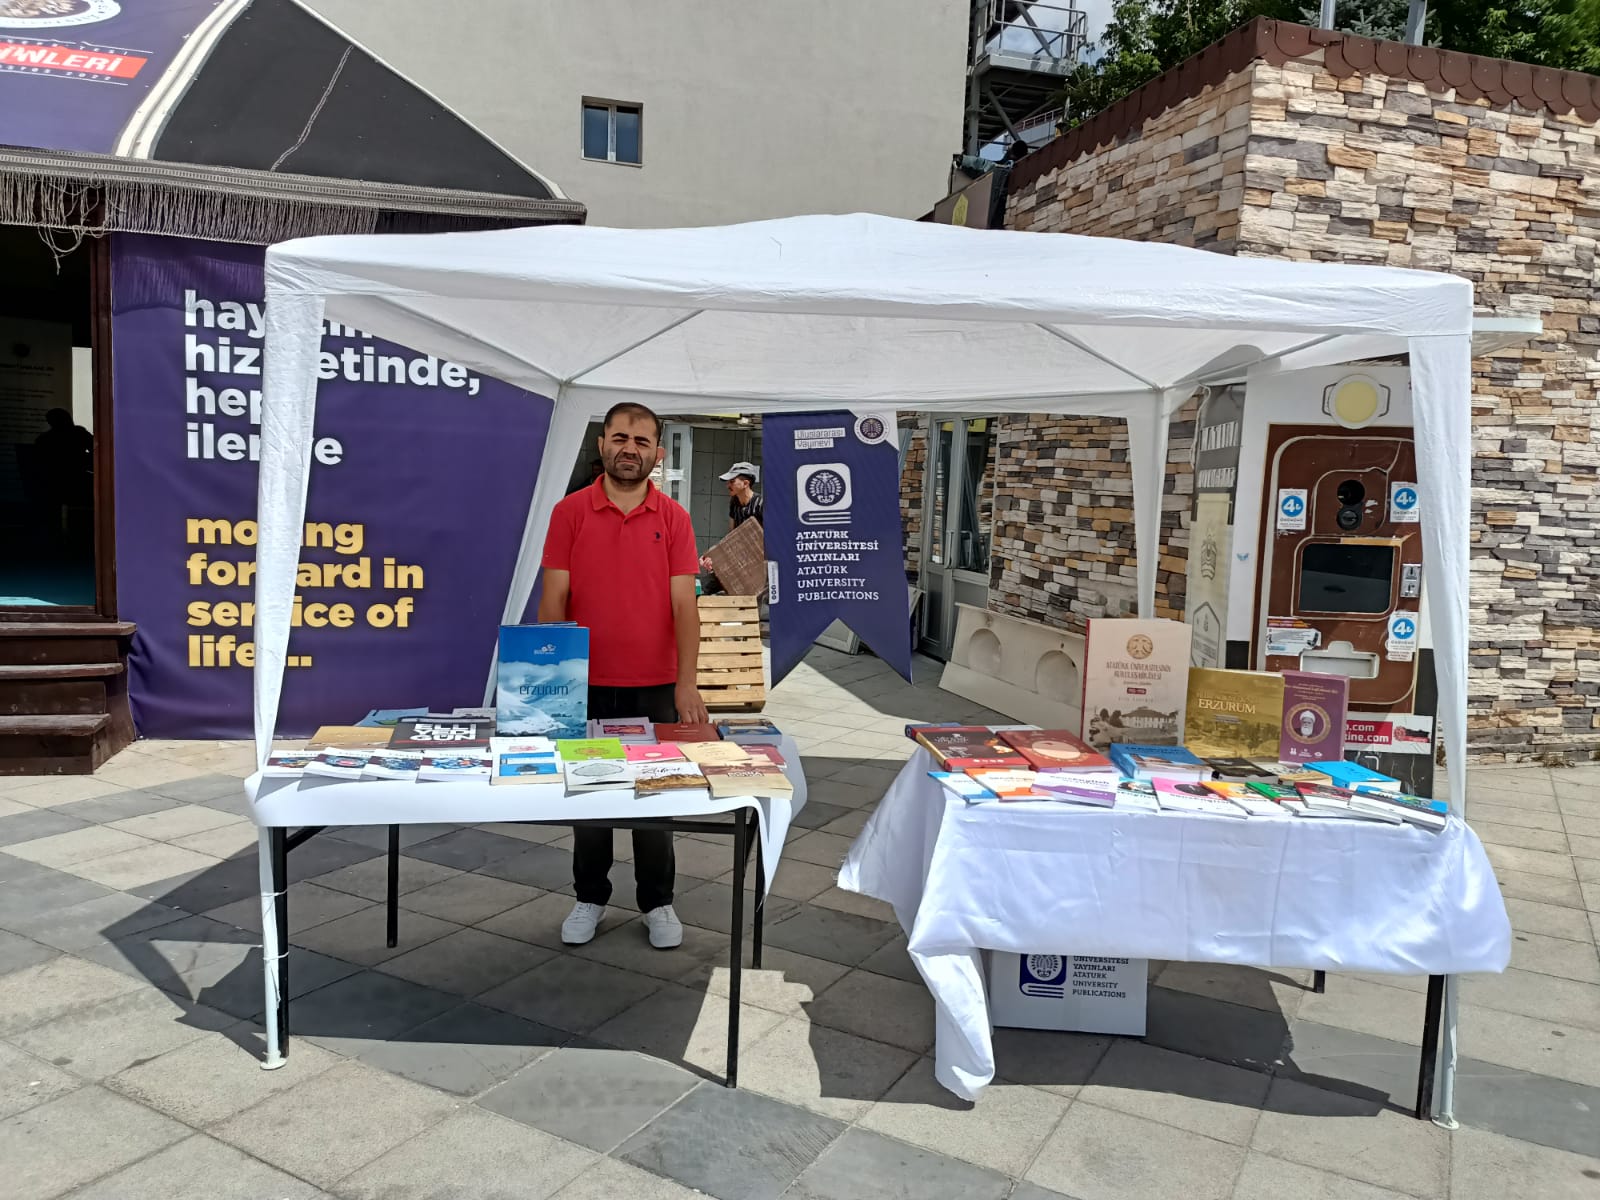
(750, 110)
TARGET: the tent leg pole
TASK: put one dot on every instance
(273, 855)
(741, 851)
(1429, 1057)
(394, 886)
(1444, 1109)
(1319, 982)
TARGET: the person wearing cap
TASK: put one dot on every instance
(744, 501)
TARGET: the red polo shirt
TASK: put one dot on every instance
(621, 568)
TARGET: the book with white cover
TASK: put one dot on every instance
(339, 764)
(1089, 790)
(288, 764)
(457, 766)
(404, 765)
(521, 745)
(598, 775)
(963, 786)
(1194, 798)
(668, 777)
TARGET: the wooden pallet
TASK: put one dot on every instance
(731, 676)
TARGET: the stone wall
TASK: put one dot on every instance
(1293, 161)
(912, 478)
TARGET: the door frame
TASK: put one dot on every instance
(944, 606)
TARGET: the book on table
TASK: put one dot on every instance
(1008, 784)
(1135, 680)
(758, 779)
(1185, 796)
(970, 747)
(481, 713)
(1135, 795)
(456, 766)
(1233, 713)
(680, 732)
(963, 786)
(350, 737)
(1353, 775)
(542, 680)
(1420, 811)
(527, 768)
(748, 730)
(1239, 770)
(664, 778)
(630, 731)
(1326, 801)
(288, 764)
(339, 764)
(1057, 750)
(1314, 709)
(521, 745)
(656, 752)
(1247, 798)
(579, 749)
(716, 754)
(401, 765)
(597, 775)
(760, 752)
(1090, 789)
(441, 731)
(1168, 762)
(384, 718)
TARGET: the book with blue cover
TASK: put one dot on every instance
(1158, 762)
(542, 687)
(1353, 775)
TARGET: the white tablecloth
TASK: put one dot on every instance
(1032, 878)
(321, 801)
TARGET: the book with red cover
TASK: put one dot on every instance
(1057, 750)
(680, 732)
(764, 753)
(969, 747)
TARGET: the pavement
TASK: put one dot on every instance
(480, 1058)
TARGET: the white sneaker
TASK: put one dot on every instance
(666, 931)
(581, 923)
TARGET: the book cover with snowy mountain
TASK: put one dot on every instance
(543, 682)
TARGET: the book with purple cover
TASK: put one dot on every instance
(1313, 717)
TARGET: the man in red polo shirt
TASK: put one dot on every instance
(620, 560)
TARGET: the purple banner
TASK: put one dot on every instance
(835, 547)
(421, 478)
(73, 73)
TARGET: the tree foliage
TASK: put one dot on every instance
(1146, 37)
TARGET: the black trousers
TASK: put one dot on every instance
(653, 865)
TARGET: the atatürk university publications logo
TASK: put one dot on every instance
(55, 14)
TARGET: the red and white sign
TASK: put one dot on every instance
(36, 57)
(1389, 733)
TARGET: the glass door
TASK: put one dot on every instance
(959, 525)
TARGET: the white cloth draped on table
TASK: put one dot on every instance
(1032, 878)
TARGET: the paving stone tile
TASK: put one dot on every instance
(323, 855)
(468, 849)
(685, 1027)
(469, 898)
(1531, 1044)
(349, 1015)
(336, 1122)
(17, 870)
(628, 946)
(1353, 1137)
(1509, 814)
(170, 824)
(545, 867)
(1485, 1166)
(571, 993)
(1032, 1191)
(237, 987)
(1214, 1029)
(1552, 920)
(1055, 1061)
(880, 1008)
(820, 849)
(864, 1166)
(836, 1074)
(465, 1050)
(148, 771)
(786, 985)
(1530, 1108)
(62, 789)
(238, 840)
(795, 880)
(213, 1077)
(1098, 1154)
(22, 901)
(731, 1143)
(472, 1155)
(1492, 833)
(827, 933)
(1588, 869)
(47, 990)
(162, 954)
(1273, 991)
(118, 806)
(894, 961)
(1188, 1093)
(25, 828)
(141, 866)
(27, 1082)
(370, 878)
(1546, 889)
(1387, 1012)
(1533, 995)
(589, 1095)
(111, 1036)
(852, 902)
(814, 814)
(1590, 891)
(1532, 862)
(309, 906)
(53, 1148)
(1002, 1131)
(80, 926)
(1268, 1178)
(376, 837)
(466, 962)
(539, 921)
(201, 788)
(362, 937)
(207, 888)
(199, 1166)
(608, 1179)
(541, 834)
(76, 846)
(710, 906)
(17, 952)
(1561, 957)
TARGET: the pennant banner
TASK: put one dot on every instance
(834, 541)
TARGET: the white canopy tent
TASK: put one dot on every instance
(859, 311)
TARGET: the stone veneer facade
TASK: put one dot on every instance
(1289, 157)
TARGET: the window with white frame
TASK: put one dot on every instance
(611, 131)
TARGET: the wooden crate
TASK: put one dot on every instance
(731, 677)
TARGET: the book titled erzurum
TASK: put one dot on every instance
(542, 683)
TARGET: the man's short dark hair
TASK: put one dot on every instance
(750, 479)
(628, 409)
